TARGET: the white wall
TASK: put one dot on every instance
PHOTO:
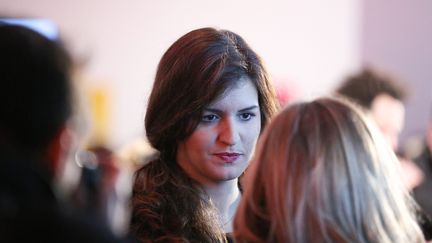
(309, 45)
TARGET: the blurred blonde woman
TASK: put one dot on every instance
(322, 173)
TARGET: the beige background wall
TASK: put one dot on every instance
(307, 45)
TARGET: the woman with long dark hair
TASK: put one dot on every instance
(211, 98)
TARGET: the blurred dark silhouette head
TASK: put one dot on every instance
(383, 96)
(35, 93)
(365, 86)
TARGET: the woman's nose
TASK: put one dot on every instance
(228, 133)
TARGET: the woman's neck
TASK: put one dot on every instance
(226, 197)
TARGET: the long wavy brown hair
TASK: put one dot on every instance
(194, 71)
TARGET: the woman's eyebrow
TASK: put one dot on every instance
(242, 110)
(249, 108)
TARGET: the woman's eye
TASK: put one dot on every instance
(209, 118)
(246, 116)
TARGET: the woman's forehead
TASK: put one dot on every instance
(242, 93)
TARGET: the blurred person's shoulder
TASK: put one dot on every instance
(54, 225)
(30, 211)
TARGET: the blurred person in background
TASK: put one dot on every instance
(323, 173)
(36, 139)
(104, 187)
(423, 192)
(383, 97)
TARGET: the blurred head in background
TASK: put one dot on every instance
(321, 174)
(35, 97)
(36, 138)
(381, 95)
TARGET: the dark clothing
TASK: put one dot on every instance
(425, 223)
(229, 238)
(29, 211)
(423, 192)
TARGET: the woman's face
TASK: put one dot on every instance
(220, 147)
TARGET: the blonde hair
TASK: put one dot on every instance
(322, 174)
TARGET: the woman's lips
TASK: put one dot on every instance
(228, 157)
